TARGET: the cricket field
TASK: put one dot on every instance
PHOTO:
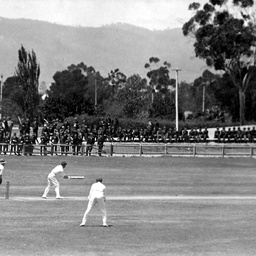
(156, 206)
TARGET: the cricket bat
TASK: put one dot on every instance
(75, 177)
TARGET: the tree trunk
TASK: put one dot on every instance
(242, 105)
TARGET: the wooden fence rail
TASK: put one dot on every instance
(134, 149)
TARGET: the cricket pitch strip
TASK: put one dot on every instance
(135, 198)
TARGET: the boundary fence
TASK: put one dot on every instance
(194, 150)
(135, 149)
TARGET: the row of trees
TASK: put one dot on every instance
(224, 34)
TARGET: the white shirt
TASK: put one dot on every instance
(1, 169)
(56, 170)
(98, 190)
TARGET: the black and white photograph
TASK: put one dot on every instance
(128, 127)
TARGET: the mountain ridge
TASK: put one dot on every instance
(120, 45)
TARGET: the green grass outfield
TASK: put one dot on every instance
(156, 206)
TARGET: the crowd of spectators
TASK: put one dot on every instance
(235, 135)
(70, 138)
(108, 130)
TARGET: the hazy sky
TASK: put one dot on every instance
(151, 14)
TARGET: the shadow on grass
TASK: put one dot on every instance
(96, 226)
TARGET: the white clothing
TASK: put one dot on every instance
(58, 169)
(97, 195)
(52, 181)
(98, 190)
(1, 169)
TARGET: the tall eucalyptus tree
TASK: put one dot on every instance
(225, 38)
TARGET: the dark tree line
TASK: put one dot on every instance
(81, 90)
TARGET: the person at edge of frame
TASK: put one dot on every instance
(2, 163)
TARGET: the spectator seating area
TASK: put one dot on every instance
(71, 137)
(235, 135)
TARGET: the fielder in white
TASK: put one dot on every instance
(97, 195)
(52, 181)
(2, 163)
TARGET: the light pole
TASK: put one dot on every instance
(176, 97)
(203, 106)
(96, 91)
(204, 91)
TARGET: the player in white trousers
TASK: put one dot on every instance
(51, 179)
(2, 163)
(97, 195)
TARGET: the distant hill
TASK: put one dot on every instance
(109, 47)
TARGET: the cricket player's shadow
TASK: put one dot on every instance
(96, 226)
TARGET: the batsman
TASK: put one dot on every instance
(51, 180)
